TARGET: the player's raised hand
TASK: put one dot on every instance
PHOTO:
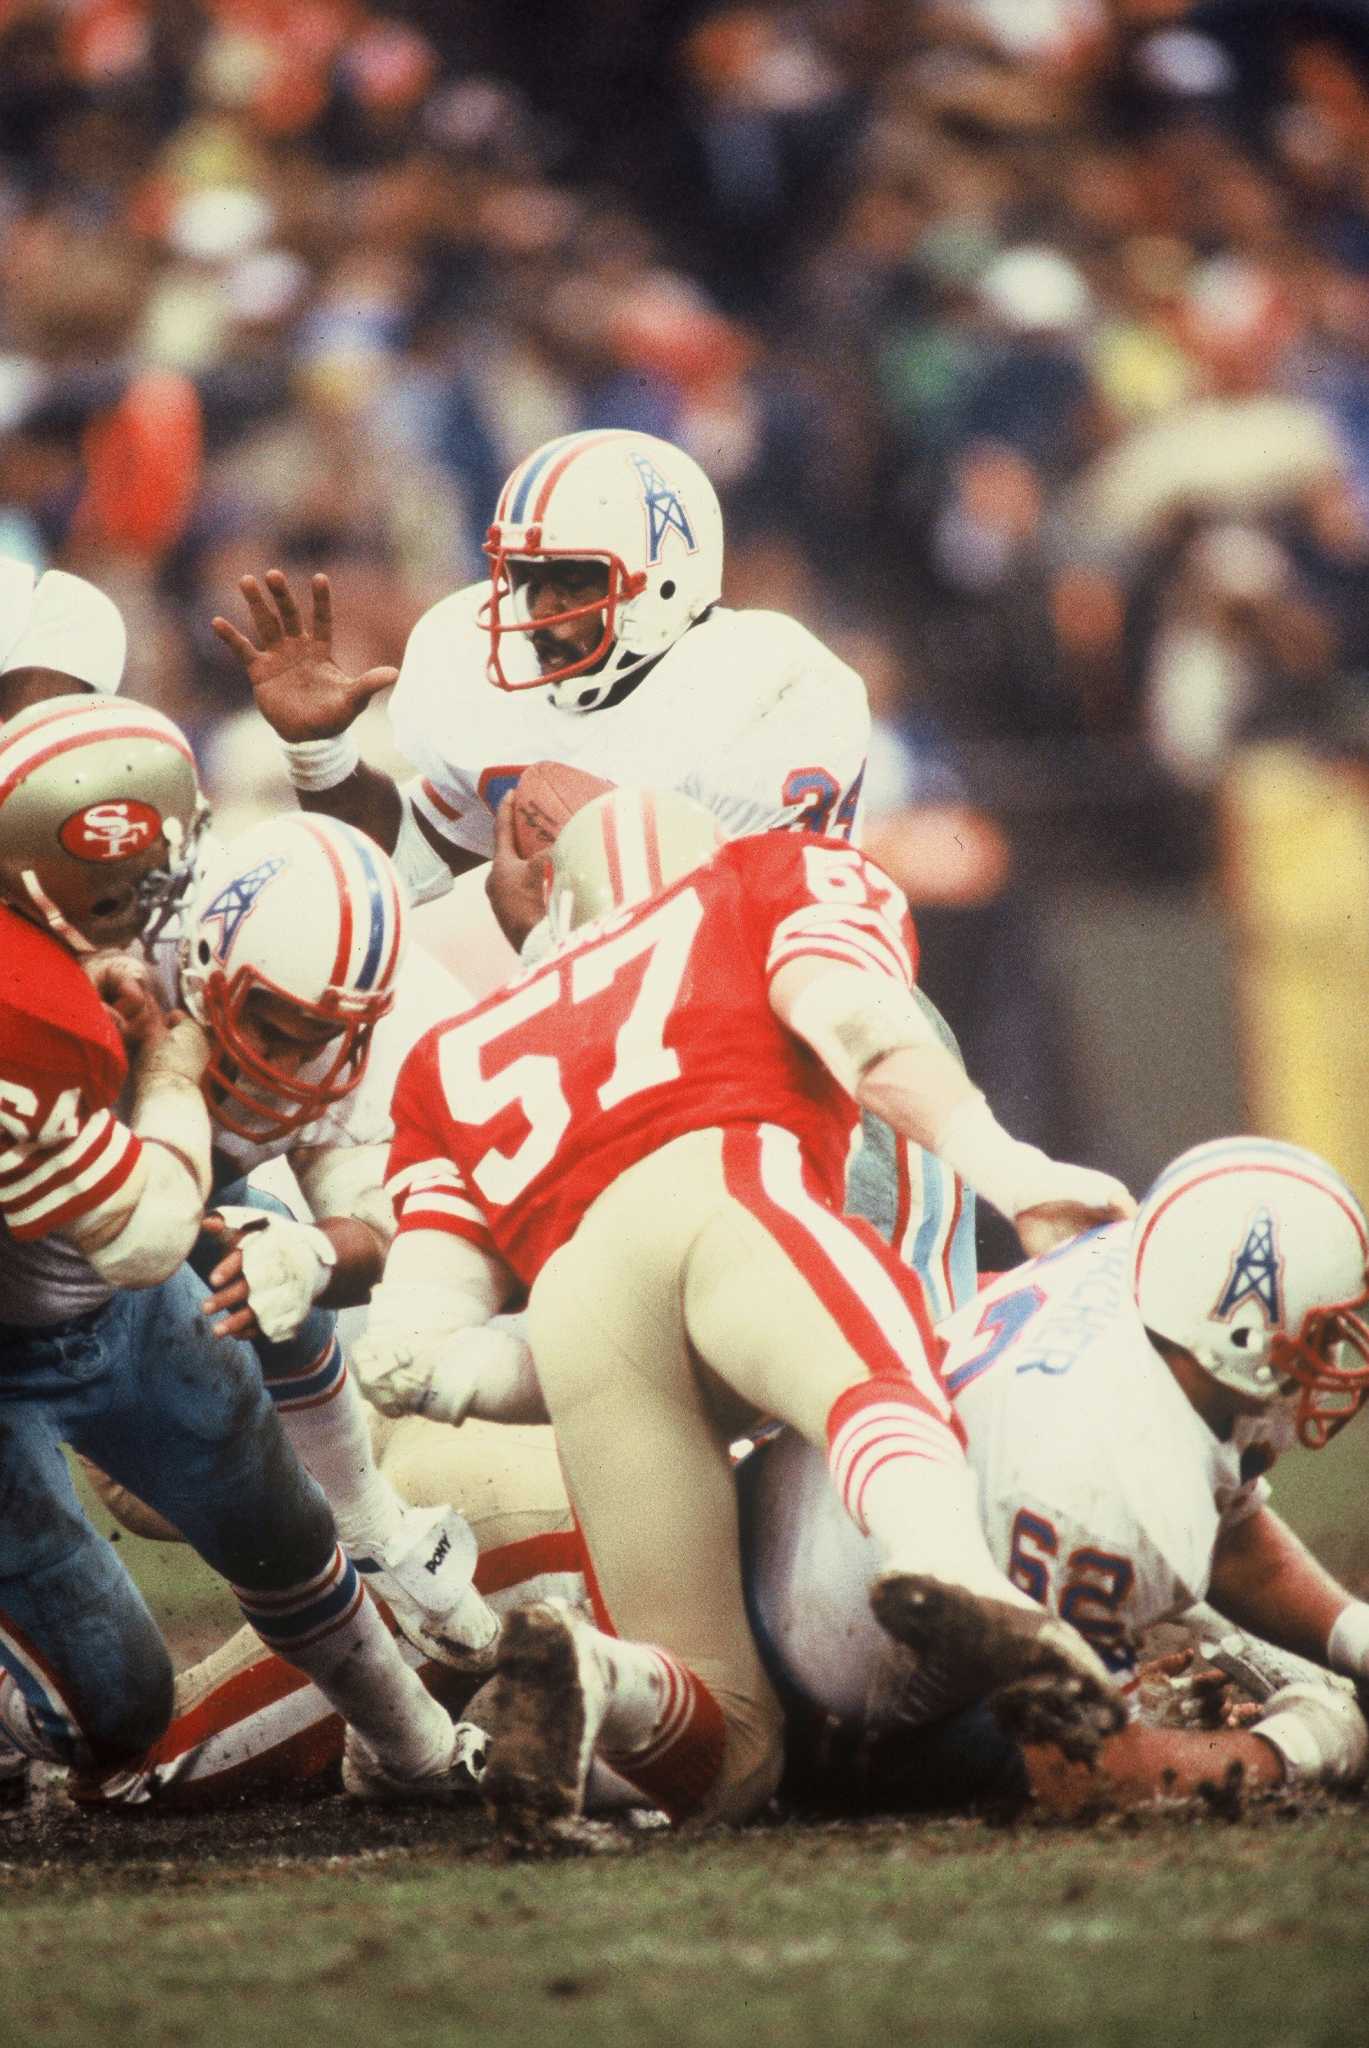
(299, 688)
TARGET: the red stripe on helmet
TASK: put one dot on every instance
(608, 832)
(344, 895)
(80, 739)
(559, 468)
(651, 844)
(1310, 1180)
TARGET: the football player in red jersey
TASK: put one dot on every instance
(649, 1129)
(104, 1343)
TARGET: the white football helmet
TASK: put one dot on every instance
(100, 818)
(622, 848)
(308, 910)
(640, 507)
(1254, 1257)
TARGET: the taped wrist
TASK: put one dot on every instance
(975, 1145)
(1347, 1646)
(1319, 1732)
(321, 764)
(851, 1019)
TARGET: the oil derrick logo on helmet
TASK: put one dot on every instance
(1255, 1274)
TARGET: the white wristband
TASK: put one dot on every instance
(975, 1145)
(320, 764)
(1347, 1646)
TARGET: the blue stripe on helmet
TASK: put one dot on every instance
(518, 509)
(375, 892)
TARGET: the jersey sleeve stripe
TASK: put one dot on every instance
(857, 927)
(432, 1202)
(27, 1168)
(422, 1173)
(84, 1197)
(450, 812)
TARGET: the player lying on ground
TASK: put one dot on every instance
(294, 960)
(599, 639)
(101, 1195)
(1116, 1425)
(649, 1130)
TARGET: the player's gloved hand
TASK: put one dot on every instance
(275, 1271)
(1319, 1732)
(484, 1370)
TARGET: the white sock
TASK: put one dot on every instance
(899, 1469)
(324, 1416)
(330, 1629)
(639, 1689)
(925, 1518)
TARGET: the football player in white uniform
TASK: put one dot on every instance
(1121, 1399)
(294, 961)
(599, 639)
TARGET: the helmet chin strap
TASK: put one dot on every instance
(52, 916)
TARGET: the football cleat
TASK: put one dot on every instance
(364, 1776)
(1041, 1677)
(547, 1705)
(423, 1574)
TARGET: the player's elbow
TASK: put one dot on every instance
(156, 1235)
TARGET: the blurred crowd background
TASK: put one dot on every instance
(1027, 342)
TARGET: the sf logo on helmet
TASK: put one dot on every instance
(114, 830)
(1256, 1273)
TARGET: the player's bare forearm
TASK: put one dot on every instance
(1265, 1579)
(367, 798)
(1139, 1764)
(360, 1262)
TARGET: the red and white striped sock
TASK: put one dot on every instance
(663, 1730)
(899, 1467)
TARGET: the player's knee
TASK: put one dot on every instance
(134, 1710)
(753, 1762)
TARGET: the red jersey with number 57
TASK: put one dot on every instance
(511, 1118)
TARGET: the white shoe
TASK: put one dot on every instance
(364, 1776)
(423, 1574)
(547, 1705)
(1043, 1680)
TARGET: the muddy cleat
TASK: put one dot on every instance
(364, 1776)
(424, 1577)
(547, 1705)
(1043, 1680)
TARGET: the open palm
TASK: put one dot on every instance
(299, 689)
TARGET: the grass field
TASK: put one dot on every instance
(1250, 1933)
(285, 1926)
